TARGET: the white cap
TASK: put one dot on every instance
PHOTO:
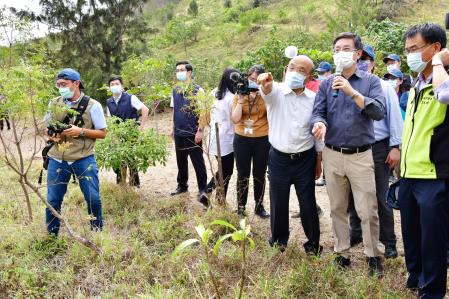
(291, 51)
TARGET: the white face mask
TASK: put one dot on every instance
(392, 67)
(393, 83)
(344, 59)
(415, 62)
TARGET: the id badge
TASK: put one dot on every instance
(249, 123)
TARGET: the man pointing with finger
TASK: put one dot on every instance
(295, 157)
(343, 115)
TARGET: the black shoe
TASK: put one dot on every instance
(179, 190)
(262, 213)
(342, 262)
(241, 211)
(412, 284)
(211, 186)
(375, 267)
(313, 249)
(355, 241)
(203, 199)
(390, 252)
(296, 215)
(279, 246)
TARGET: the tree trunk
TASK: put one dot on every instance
(220, 188)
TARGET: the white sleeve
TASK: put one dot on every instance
(108, 113)
(172, 104)
(136, 103)
(272, 96)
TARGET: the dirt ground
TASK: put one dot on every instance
(161, 180)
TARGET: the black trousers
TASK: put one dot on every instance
(424, 207)
(227, 164)
(282, 173)
(134, 179)
(386, 219)
(249, 150)
(4, 117)
(185, 147)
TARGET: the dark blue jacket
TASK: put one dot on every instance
(184, 119)
(123, 109)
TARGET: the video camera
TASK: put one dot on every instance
(57, 128)
(241, 83)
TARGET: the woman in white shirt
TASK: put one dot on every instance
(221, 114)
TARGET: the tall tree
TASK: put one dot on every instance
(92, 32)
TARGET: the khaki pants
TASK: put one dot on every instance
(352, 172)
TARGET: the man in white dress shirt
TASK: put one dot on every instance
(295, 156)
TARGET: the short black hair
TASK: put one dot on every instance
(357, 40)
(431, 33)
(113, 78)
(257, 68)
(189, 67)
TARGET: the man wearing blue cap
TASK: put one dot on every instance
(395, 78)
(393, 62)
(324, 70)
(73, 149)
(386, 154)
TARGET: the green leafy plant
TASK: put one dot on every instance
(239, 236)
(126, 145)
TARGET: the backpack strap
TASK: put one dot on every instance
(82, 106)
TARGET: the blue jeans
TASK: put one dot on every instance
(58, 178)
(424, 206)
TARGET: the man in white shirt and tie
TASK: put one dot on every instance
(295, 156)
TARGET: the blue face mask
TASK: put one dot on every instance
(363, 65)
(294, 80)
(415, 62)
(252, 84)
(116, 89)
(66, 93)
(322, 77)
(181, 76)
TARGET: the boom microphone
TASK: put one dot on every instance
(234, 76)
(338, 71)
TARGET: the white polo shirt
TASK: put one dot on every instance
(289, 119)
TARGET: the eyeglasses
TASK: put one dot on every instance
(414, 50)
(336, 51)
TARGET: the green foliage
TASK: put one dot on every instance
(183, 31)
(227, 3)
(193, 8)
(125, 144)
(387, 37)
(254, 16)
(271, 55)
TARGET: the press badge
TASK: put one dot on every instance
(249, 123)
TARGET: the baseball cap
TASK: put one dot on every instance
(70, 74)
(394, 57)
(395, 73)
(369, 51)
(324, 67)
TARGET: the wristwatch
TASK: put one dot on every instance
(395, 146)
(82, 133)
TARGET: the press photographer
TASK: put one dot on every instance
(72, 133)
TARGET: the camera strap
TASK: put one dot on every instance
(82, 106)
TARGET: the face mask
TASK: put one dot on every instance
(116, 89)
(181, 76)
(294, 80)
(392, 67)
(393, 83)
(415, 62)
(322, 77)
(363, 65)
(66, 93)
(252, 84)
(344, 59)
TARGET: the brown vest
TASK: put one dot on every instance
(72, 149)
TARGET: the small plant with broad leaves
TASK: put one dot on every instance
(240, 236)
(125, 145)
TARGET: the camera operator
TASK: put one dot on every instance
(251, 143)
(293, 157)
(73, 149)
